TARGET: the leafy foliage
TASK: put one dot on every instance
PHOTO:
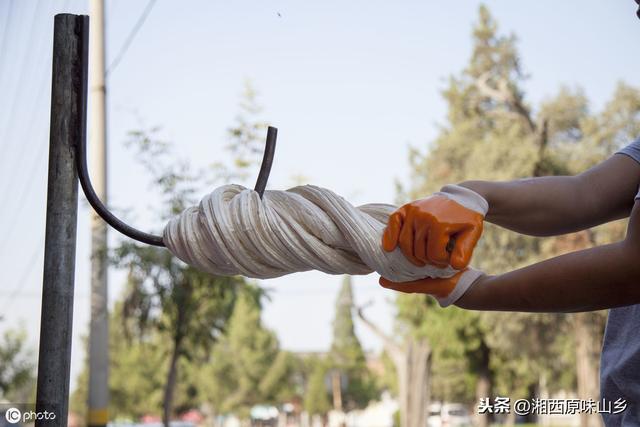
(316, 400)
(247, 367)
(492, 133)
(346, 355)
(171, 313)
(17, 370)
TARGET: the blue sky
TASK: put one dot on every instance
(350, 85)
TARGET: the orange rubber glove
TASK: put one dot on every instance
(423, 228)
(445, 290)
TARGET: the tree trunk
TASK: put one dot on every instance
(543, 393)
(336, 388)
(510, 419)
(586, 368)
(483, 386)
(417, 398)
(413, 368)
(167, 401)
(402, 372)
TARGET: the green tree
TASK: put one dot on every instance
(17, 367)
(188, 307)
(247, 366)
(492, 133)
(316, 399)
(353, 385)
(410, 354)
(246, 139)
(137, 371)
(487, 115)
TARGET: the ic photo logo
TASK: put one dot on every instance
(13, 415)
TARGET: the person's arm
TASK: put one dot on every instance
(592, 279)
(553, 205)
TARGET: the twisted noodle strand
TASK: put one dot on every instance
(232, 231)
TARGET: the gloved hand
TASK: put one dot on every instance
(424, 227)
(446, 291)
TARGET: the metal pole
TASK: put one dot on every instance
(99, 327)
(68, 127)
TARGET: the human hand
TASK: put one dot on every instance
(423, 228)
(445, 290)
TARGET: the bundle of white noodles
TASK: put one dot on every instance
(235, 232)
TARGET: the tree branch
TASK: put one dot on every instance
(501, 95)
(390, 345)
(504, 95)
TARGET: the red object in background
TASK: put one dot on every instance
(193, 416)
(150, 419)
(74, 420)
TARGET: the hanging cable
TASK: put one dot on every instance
(130, 37)
(29, 268)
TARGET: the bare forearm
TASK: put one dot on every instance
(553, 205)
(602, 277)
(536, 206)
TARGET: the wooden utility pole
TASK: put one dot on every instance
(67, 129)
(99, 327)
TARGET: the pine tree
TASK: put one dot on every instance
(247, 366)
(489, 135)
(492, 133)
(137, 366)
(346, 350)
(17, 371)
(316, 399)
(348, 360)
(188, 307)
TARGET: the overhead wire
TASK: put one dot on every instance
(22, 94)
(10, 116)
(132, 34)
(34, 261)
(29, 138)
(22, 90)
(17, 160)
(26, 191)
(36, 160)
(5, 30)
(38, 109)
